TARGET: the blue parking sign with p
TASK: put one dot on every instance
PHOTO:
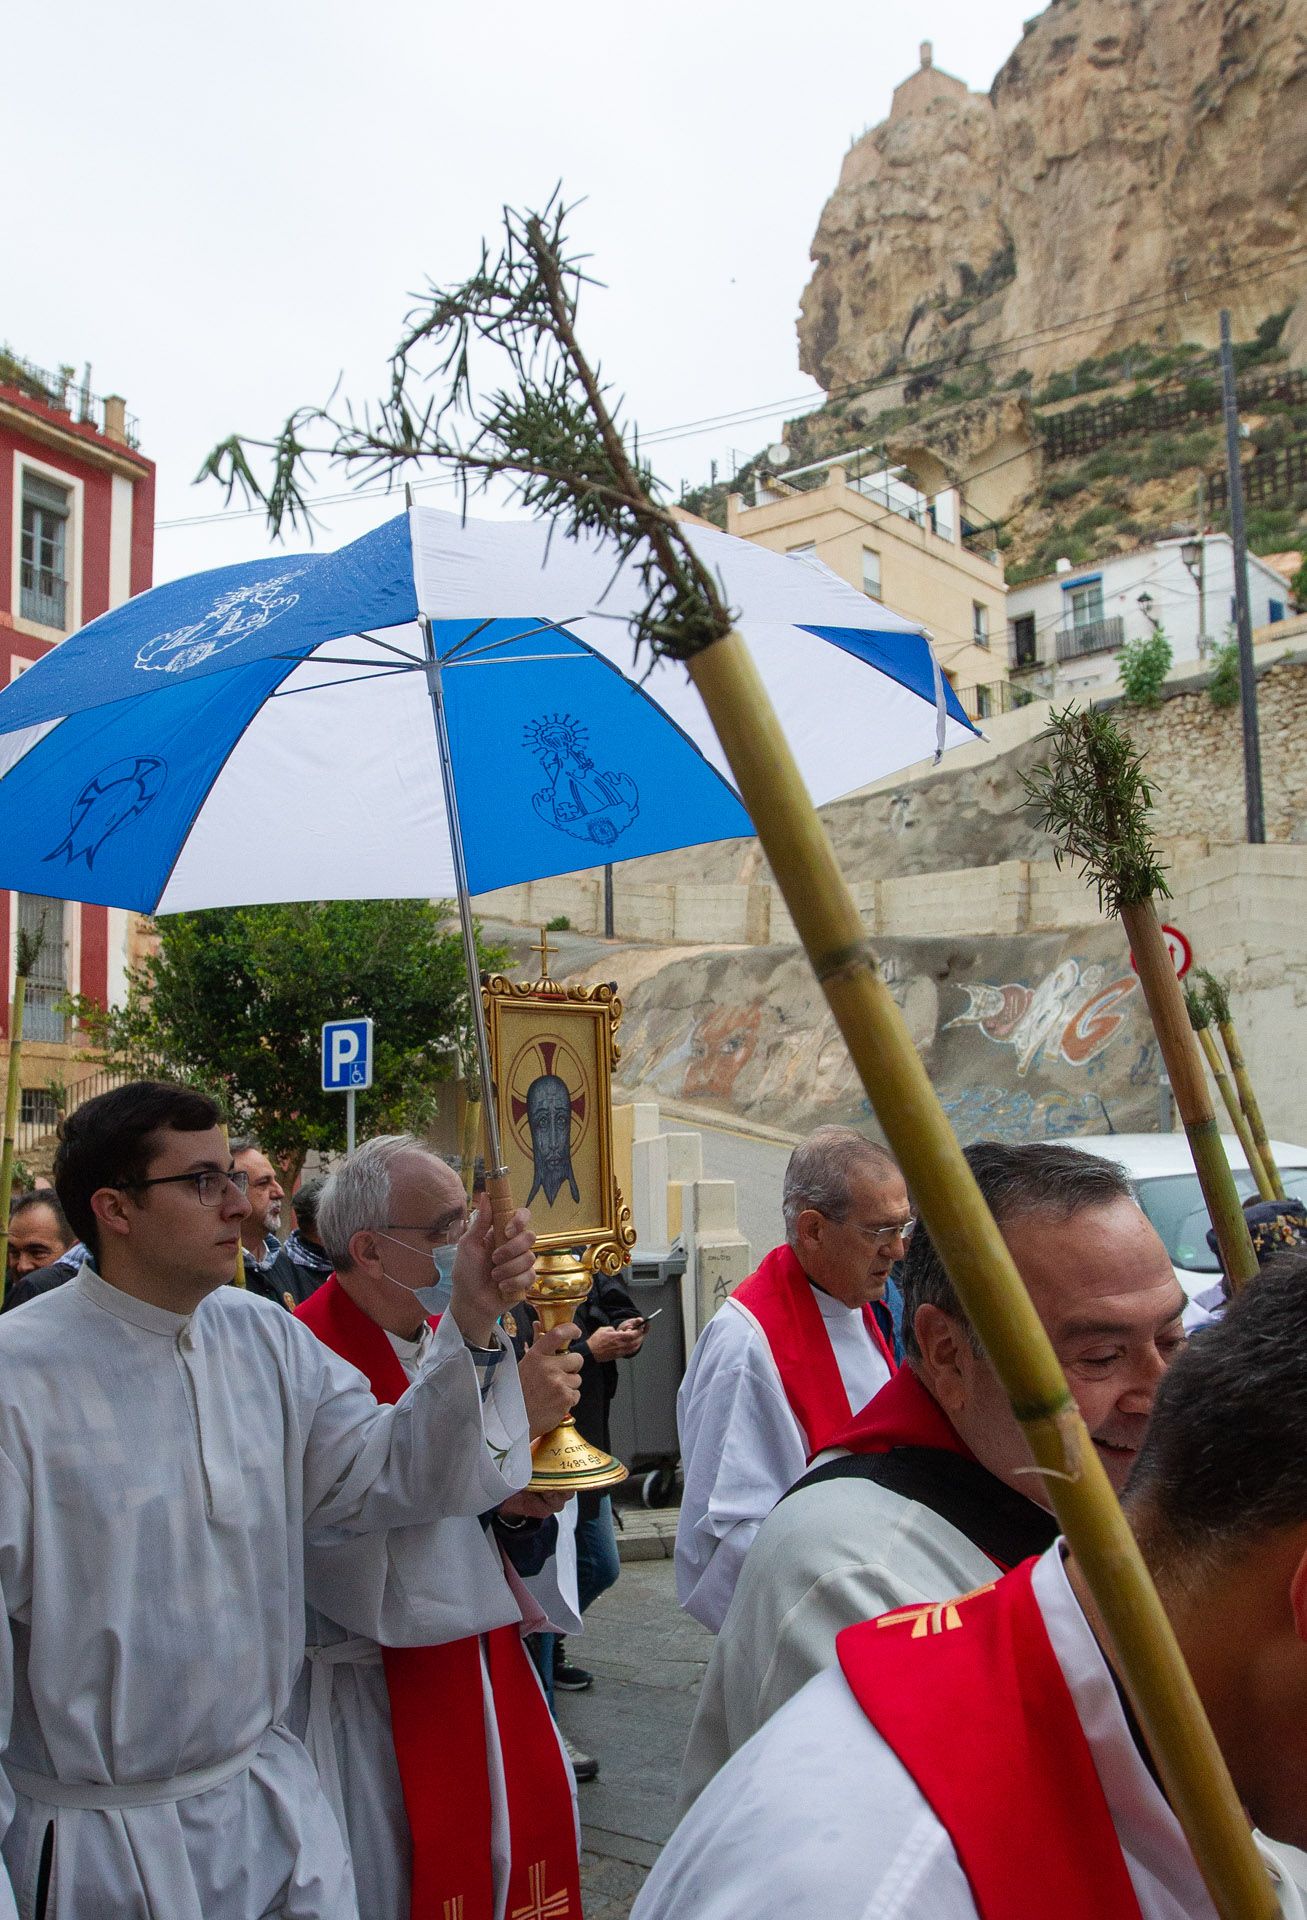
(346, 1056)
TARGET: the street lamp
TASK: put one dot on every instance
(1146, 602)
(1194, 555)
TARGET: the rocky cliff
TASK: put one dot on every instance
(1140, 155)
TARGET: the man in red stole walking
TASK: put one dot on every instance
(931, 1491)
(799, 1348)
(976, 1759)
(421, 1708)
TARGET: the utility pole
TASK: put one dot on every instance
(1202, 565)
(1252, 751)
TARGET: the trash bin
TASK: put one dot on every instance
(642, 1418)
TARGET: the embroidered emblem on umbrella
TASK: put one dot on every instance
(579, 800)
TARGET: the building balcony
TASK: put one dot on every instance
(1091, 636)
(43, 597)
(986, 702)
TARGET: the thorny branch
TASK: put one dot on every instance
(551, 429)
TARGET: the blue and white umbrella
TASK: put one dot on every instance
(139, 759)
(442, 707)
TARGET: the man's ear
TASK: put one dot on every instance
(365, 1251)
(1298, 1595)
(111, 1205)
(940, 1341)
(808, 1226)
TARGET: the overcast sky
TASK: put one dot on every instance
(225, 208)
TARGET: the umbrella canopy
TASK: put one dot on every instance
(138, 757)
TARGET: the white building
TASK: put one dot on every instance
(1065, 631)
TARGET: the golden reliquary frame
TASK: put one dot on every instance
(552, 1053)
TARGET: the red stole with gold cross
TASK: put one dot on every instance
(778, 1299)
(970, 1696)
(438, 1723)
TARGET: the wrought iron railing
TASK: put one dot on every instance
(63, 391)
(44, 1107)
(43, 596)
(988, 699)
(1091, 636)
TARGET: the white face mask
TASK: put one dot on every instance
(436, 1297)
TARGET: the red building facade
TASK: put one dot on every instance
(76, 538)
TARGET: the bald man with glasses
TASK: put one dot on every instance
(794, 1353)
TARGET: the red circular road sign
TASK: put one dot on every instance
(1182, 954)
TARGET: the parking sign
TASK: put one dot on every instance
(346, 1056)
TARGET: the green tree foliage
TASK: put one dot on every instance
(235, 998)
(1143, 666)
(1224, 685)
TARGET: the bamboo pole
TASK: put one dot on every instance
(988, 1285)
(11, 1120)
(1200, 1020)
(1218, 1001)
(1175, 1037)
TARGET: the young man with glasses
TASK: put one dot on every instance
(168, 1446)
(791, 1356)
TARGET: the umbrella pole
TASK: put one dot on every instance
(501, 1198)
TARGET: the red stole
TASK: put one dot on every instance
(437, 1717)
(970, 1696)
(778, 1297)
(903, 1414)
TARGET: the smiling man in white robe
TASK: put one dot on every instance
(788, 1358)
(166, 1440)
(976, 1760)
(932, 1490)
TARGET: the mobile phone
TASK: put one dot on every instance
(648, 1317)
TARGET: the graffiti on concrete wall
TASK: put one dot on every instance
(1071, 1015)
(721, 1046)
(997, 1113)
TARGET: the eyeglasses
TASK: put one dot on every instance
(210, 1185)
(454, 1231)
(882, 1237)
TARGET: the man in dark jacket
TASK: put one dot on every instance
(611, 1330)
(301, 1263)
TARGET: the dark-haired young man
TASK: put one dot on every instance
(975, 1759)
(166, 1443)
(935, 1490)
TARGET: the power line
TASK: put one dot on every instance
(1144, 306)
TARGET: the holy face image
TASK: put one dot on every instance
(549, 1116)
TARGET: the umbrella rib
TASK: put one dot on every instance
(390, 647)
(339, 660)
(350, 680)
(460, 654)
(481, 659)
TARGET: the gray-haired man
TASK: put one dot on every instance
(441, 1657)
(796, 1350)
(936, 1489)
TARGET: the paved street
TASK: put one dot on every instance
(648, 1660)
